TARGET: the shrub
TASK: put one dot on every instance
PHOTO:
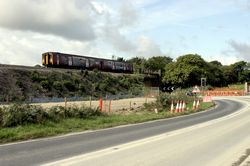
(166, 98)
(45, 84)
(19, 84)
(69, 85)
(56, 113)
(22, 114)
(58, 85)
(19, 114)
(88, 112)
(35, 76)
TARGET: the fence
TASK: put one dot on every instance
(225, 93)
(108, 105)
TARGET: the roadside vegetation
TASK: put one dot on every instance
(23, 121)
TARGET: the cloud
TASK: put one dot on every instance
(119, 42)
(241, 49)
(147, 48)
(128, 14)
(27, 48)
(55, 17)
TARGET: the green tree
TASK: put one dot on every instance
(215, 75)
(229, 74)
(239, 69)
(157, 63)
(186, 71)
(138, 64)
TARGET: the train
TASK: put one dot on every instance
(62, 60)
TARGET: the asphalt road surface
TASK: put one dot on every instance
(184, 140)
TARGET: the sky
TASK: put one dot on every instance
(216, 30)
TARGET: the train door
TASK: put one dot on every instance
(43, 59)
(87, 63)
(101, 65)
(57, 59)
(47, 59)
(70, 61)
(113, 65)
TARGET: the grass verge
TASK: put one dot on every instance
(31, 131)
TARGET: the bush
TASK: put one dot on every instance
(56, 113)
(45, 84)
(69, 85)
(82, 112)
(166, 98)
(35, 76)
(58, 85)
(20, 114)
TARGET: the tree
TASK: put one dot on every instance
(215, 75)
(137, 60)
(120, 59)
(229, 74)
(138, 64)
(157, 63)
(239, 68)
(216, 63)
(186, 71)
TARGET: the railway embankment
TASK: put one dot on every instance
(22, 83)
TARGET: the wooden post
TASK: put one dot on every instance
(65, 102)
(100, 104)
(90, 101)
(104, 103)
(130, 106)
(109, 105)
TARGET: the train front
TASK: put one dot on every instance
(48, 59)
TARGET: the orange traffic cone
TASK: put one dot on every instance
(177, 107)
(194, 105)
(181, 106)
(184, 106)
(198, 104)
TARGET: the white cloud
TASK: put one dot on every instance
(27, 48)
(223, 58)
(128, 14)
(100, 27)
(49, 17)
(147, 48)
(242, 50)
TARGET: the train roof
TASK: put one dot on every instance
(85, 56)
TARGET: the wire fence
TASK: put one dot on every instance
(110, 103)
(105, 105)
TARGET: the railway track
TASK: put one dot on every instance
(48, 69)
(45, 69)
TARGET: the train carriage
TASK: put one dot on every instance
(61, 60)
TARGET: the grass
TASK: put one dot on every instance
(237, 86)
(32, 131)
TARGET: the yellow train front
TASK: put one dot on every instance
(48, 59)
(61, 60)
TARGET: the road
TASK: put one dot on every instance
(188, 140)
